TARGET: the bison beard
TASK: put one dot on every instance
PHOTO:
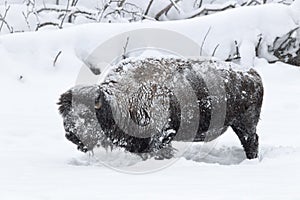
(90, 118)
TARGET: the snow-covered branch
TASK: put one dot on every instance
(165, 10)
(287, 47)
(205, 10)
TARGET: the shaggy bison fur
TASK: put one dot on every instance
(136, 108)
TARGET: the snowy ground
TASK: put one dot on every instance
(37, 162)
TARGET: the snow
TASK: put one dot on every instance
(246, 25)
(37, 162)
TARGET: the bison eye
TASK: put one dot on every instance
(98, 105)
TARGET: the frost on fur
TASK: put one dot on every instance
(145, 104)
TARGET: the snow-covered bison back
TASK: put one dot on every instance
(143, 105)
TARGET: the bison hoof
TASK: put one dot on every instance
(82, 148)
(165, 153)
(251, 155)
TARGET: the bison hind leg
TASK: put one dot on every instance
(249, 141)
(245, 128)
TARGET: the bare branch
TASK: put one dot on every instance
(30, 2)
(165, 10)
(237, 53)
(285, 2)
(63, 19)
(258, 45)
(26, 20)
(199, 5)
(148, 7)
(70, 12)
(203, 41)
(207, 10)
(195, 3)
(252, 2)
(237, 50)
(56, 57)
(46, 24)
(3, 21)
(175, 5)
(74, 3)
(285, 41)
(214, 52)
(123, 10)
(121, 3)
(125, 48)
(106, 6)
(52, 9)
(287, 48)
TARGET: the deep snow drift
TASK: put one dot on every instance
(37, 162)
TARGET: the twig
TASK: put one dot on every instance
(175, 5)
(71, 13)
(100, 16)
(10, 29)
(148, 7)
(63, 19)
(3, 21)
(258, 44)
(37, 18)
(46, 24)
(125, 49)
(206, 10)
(287, 48)
(215, 49)
(199, 5)
(252, 2)
(53, 9)
(121, 3)
(122, 10)
(30, 2)
(237, 49)
(74, 3)
(203, 41)
(26, 20)
(237, 53)
(165, 10)
(56, 57)
(284, 2)
(289, 34)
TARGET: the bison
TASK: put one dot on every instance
(142, 105)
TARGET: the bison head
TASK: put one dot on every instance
(77, 107)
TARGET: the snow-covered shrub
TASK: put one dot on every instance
(254, 32)
(31, 15)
